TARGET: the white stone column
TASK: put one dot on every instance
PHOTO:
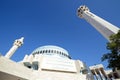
(101, 75)
(96, 75)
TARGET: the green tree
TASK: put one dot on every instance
(113, 57)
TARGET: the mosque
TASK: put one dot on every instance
(44, 63)
(52, 62)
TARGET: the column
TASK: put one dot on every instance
(96, 75)
(101, 75)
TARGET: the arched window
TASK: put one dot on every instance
(48, 51)
(43, 51)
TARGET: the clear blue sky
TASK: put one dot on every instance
(54, 22)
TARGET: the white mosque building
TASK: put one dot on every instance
(44, 63)
(54, 63)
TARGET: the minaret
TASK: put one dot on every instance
(104, 27)
(16, 45)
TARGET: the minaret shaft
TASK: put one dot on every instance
(11, 51)
(104, 27)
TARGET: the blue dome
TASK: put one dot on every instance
(51, 50)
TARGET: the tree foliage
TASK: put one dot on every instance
(113, 57)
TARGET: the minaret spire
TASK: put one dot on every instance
(16, 45)
(104, 27)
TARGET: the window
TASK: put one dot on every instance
(35, 67)
(46, 51)
(51, 51)
(43, 51)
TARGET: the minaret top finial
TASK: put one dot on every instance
(82, 9)
(19, 42)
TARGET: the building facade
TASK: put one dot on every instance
(45, 63)
(54, 63)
